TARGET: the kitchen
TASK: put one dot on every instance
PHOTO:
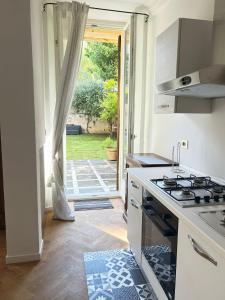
(176, 214)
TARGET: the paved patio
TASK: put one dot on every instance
(90, 177)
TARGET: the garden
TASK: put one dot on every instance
(96, 98)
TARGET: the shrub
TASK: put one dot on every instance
(109, 104)
(87, 100)
(109, 143)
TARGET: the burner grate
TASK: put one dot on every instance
(192, 190)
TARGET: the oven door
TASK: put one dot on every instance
(159, 242)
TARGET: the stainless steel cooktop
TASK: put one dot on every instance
(192, 191)
(215, 219)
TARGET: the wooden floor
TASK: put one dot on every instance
(60, 275)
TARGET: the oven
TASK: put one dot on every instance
(159, 241)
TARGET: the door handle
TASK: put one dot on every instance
(133, 203)
(133, 136)
(198, 249)
(134, 185)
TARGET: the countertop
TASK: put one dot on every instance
(187, 215)
(148, 160)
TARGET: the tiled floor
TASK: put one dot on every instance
(90, 177)
(115, 275)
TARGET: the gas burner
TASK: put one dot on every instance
(218, 189)
(186, 192)
(192, 191)
(198, 180)
(171, 182)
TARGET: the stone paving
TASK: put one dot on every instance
(90, 177)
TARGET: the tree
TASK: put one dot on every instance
(109, 104)
(105, 57)
(88, 70)
(87, 100)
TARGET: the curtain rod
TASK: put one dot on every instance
(105, 9)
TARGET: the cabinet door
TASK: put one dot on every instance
(200, 269)
(134, 222)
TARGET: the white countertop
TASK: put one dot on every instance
(188, 215)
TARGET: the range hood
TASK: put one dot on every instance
(205, 83)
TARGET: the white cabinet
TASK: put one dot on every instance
(182, 49)
(200, 268)
(134, 222)
(135, 189)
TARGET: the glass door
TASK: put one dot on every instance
(128, 88)
(126, 137)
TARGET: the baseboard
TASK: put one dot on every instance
(13, 259)
(48, 209)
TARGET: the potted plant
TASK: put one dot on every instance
(111, 149)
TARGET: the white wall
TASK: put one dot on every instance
(205, 132)
(20, 106)
(39, 80)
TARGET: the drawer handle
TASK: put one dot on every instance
(198, 249)
(134, 185)
(133, 203)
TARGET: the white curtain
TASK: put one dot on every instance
(70, 22)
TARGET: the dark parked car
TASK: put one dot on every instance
(72, 129)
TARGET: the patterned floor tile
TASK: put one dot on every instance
(97, 282)
(102, 295)
(137, 276)
(126, 293)
(131, 263)
(103, 255)
(145, 292)
(116, 263)
(121, 278)
(96, 266)
(115, 275)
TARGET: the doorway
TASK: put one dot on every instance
(92, 130)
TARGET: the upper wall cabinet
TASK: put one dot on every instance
(183, 48)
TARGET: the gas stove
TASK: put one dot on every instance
(192, 191)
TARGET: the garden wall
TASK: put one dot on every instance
(96, 126)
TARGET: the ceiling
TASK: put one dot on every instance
(149, 3)
(102, 35)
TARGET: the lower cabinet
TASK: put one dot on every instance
(134, 222)
(200, 268)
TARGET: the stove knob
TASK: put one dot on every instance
(216, 198)
(197, 199)
(207, 198)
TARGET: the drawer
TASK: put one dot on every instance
(199, 266)
(135, 189)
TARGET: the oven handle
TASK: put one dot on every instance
(198, 249)
(167, 232)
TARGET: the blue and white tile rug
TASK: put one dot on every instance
(115, 275)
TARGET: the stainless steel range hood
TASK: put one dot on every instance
(205, 83)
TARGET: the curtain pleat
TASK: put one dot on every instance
(71, 20)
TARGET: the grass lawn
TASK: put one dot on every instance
(85, 146)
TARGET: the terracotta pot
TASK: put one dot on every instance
(111, 153)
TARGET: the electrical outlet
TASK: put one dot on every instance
(184, 144)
